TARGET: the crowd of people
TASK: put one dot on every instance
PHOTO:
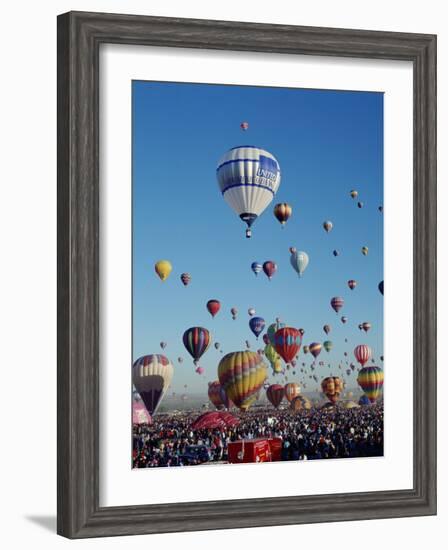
(306, 435)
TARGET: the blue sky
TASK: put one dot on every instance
(327, 143)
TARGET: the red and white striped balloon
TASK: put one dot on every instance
(362, 354)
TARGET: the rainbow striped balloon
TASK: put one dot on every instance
(242, 375)
(371, 380)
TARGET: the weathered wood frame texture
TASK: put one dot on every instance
(79, 38)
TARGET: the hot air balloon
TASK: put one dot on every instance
(337, 303)
(271, 355)
(185, 278)
(163, 345)
(282, 211)
(362, 354)
(327, 329)
(234, 313)
(287, 342)
(292, 249)
(365, 250)
(360, 204)
(151, 376)
(269, 268)
(300, 403)
(213, 306)
(366, 326)
(242, 374)
(380, 208)
(163, 269)
(197, 341)
(363, 401)
(299, 261)
(353, 194)
(315, 349)
(217, 395)
(256, 268)
(248, 179)
(381, 287)
(351, 284)
(266, 339)
(292, 390)
(272, 329)
(217, 345)
(302, 332)
(371, 381)
(344, 319)
(256, 325)
(332, 387)
(328, 226)
(247, 344)
(335, 253)
(244, 126)
(275, 394)
(328, 345)
(251, 311)
(306, 349)
(199, 370)
(180, 359)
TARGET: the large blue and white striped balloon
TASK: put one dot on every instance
(248, 178)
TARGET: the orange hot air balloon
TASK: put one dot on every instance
(332, 387)
(292, 390)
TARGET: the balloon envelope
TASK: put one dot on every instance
(287, 342)
(163, 269)
(248, 178)
(242, 374)
(299, 261)
(151, 376)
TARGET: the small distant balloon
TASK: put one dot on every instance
(163, 269)
(335, 253)
(381, 287)
(163, 345)
(328, 226)
(244, 126)
(234, 313)
(351, 284)
(365, 250)
(353, 193)
(185, 278)
(269, 269)
(256, 325)
(360, 204)
(299, 261)
(282, 211)
(213, 306)
(380, 208)
(366, 326)
(344, 319)
(251, 311)
(337, 303)
(327, 329)
(292, 249)
(256, 267)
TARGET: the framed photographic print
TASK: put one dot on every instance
(232, 198)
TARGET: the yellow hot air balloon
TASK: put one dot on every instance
(273, 357)
(163, 269)
(242, 374)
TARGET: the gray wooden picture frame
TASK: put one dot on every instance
(80, 36)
